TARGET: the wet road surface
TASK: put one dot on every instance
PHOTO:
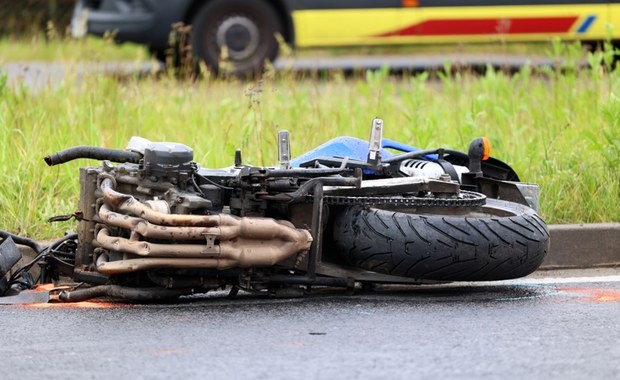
(541, 328)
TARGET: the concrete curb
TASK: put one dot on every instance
(583, 246)
(572, 246)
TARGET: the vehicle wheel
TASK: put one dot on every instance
(499, 240)
(246, 28)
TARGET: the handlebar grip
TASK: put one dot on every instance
(91, 152)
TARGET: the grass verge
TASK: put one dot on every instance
(67, 49)
(559, 128)
(39, 48)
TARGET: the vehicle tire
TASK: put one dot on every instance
(499, 240)
(246, 28)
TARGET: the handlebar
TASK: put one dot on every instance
(95, 153)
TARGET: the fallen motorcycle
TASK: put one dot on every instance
(155, 225)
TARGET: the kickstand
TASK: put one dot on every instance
(233, 292)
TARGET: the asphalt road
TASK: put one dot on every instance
(38, 74)
(539, 328)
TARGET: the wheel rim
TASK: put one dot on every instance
(240, 35)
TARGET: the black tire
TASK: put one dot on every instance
(247, 28)
(500, 240)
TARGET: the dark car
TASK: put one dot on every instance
(246, 28)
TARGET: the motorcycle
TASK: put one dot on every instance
(153, 224)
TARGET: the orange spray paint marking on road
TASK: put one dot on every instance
(596, 295)
(75, 305)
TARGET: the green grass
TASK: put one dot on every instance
(39, 48)
(559, 128)
(67, 49)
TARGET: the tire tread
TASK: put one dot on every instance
(439, 247)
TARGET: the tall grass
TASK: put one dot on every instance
(559, 128)
(56, 46)
(65, 49)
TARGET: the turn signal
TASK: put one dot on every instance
(479, 150)
(487, 148)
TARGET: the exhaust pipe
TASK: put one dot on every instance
(226, 241)
(123, 292)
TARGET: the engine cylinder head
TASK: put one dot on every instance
(167, 160)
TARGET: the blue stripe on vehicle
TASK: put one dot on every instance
(586, 24)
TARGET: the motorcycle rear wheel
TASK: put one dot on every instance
(500, 240)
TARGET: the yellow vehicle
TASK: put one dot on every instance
(246, 28)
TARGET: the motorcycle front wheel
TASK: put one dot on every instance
(496, 241)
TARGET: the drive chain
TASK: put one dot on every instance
(466, 199)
